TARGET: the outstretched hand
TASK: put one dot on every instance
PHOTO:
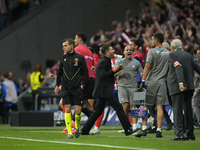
(51, 76)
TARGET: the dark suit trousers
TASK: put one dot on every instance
(100, 104)
(180, 102)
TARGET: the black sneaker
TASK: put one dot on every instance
(130, 131)
(149, 128)
(190, 137)
(84, 133)
(169, 126)
(197, 125)
(158, 134)
(77, 133)
(153, 130)
(141, 133)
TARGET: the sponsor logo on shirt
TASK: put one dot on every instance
(88, 57)
(162, 53)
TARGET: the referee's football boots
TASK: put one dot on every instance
(77, 133)
(69, 136)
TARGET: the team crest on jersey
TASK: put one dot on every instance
(133, 66)
(64, 59)
(176, 64)
(122, 99)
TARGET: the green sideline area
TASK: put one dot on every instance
(51, 138)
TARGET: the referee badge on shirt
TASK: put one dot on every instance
(133, 66)
(76, 62)
(176, 64)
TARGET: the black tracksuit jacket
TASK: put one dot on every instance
(72, 71)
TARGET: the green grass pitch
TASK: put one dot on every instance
(51, 138)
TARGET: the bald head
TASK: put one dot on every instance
(128, 53)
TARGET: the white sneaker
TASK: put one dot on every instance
(69, 136)
(121, 131)
(134, 133)
(93, 131)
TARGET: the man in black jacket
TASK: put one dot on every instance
(72, 68)
(104, 91)
(181, 89)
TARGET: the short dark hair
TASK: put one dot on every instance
(138, 42)
(95, 48)
(70, 41)
(96, 37)
(159, 37)
(82, 36)
(105, 48)
(5, 74)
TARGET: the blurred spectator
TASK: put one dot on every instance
(49, 82)
(20, 9)
(135, 44)
(4, 14)
(173, 18)
(98, 38)
(172, 11)
(36, 80)
(55, 68)
(95, 50)
(1, 102)
(9, 96)
(27, 99)
(11, 77)
(11, 10)
(166, 46)
(196, 95)
(24, 85)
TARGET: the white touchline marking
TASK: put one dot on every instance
(73, 143)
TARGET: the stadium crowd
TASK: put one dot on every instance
(12, 10)
(179, 24)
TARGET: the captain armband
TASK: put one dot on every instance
(176, 64)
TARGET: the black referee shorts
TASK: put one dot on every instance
(72, 96)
